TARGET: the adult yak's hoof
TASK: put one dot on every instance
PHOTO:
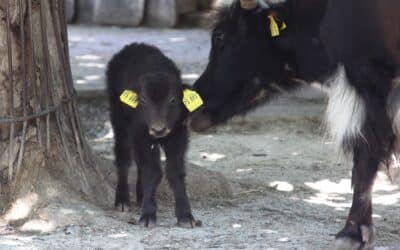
(148, 220)
(122, 202)
(189, 222)
(355, 237)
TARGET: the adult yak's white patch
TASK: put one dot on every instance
(345, 114)
(394, 106)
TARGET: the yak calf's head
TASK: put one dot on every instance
(160, 102)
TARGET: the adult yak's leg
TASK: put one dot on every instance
(358, 119)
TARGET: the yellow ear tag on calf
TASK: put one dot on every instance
(130, 98)
(191, 100)
(273, 26)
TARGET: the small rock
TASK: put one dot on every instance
(161, 13)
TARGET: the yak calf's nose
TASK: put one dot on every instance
(158, 131)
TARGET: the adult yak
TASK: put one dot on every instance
(260, 49)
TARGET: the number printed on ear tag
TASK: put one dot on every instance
(191, 100)
(130, 98)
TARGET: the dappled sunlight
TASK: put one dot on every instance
(41, 226)
(282, 186)
(331, 200)
(118, 235)
(80, 82)
(66, 211)
(108, 135)
(236, 226)
(88, 57)
(92, 77)
(12, 241)
(244, 170)
(339, 194)
(284, 239)
(75, 39)
(92, 65)
(326, 186)
(21, 208)
(212, 156)
(177, 39)
(88, 78)
(387, 200)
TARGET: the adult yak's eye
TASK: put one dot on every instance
(218, 37)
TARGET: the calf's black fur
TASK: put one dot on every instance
(158, 121)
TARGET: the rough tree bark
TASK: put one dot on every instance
(46, 158)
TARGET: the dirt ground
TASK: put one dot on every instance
(290, 188)
(290, 191)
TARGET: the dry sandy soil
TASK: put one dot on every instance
(290, 190)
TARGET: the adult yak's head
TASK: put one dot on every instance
(257, 51)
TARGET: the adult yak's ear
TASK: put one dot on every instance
(279, 26)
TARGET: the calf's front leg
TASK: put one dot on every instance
(175, 171)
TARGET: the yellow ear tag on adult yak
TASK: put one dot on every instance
(130, 98)
(274, 28)
(192, 100)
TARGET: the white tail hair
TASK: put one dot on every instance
(345, 114)
(394, 106)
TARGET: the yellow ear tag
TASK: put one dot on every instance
(273, 26)
(130, 98)
(191, 100)
(283, 26)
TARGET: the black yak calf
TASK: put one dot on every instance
(147, 106)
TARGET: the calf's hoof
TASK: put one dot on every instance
(148, 220)
(189, 222)
(123, 207)
(122, 203)
(355, 237)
